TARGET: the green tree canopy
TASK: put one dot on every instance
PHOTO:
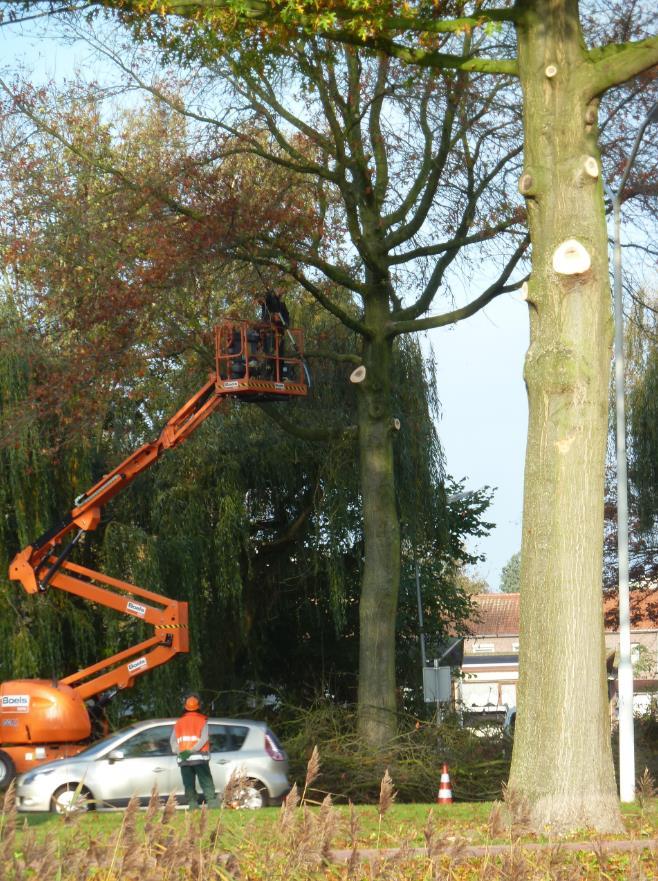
(510, 576)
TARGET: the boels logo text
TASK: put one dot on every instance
(15, 703)
(137, 665)
(136, 608)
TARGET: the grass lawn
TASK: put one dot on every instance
(403, 822)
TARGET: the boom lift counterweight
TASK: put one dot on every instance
(43, 719)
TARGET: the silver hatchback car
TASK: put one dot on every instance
(138, 758)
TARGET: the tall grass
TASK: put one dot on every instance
(160, 845)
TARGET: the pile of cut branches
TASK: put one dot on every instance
(478, 764)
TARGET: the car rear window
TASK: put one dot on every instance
(227, 738)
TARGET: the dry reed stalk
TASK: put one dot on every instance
(431, 844)
(82, 862)
(516, 866)
(133, 853)
(312, 771)
(386, 794)
(353, 831)
(44, 862)
(635, 869)
(228, 867)
(353, 826)
(386, 798)
(151, 812)
(353, 864)
(233, 794)
(496, 825)
(119, 834)
(159, 836)
(557, 869)
(304, 843)
(169, 810)
(8, 823)
(203, 820)
(646, 788)
(601, 856)
(452, 849)
(215, 836)
(288, 806)
(519, 813)
(327, 824)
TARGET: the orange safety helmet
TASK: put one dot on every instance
(192, 703)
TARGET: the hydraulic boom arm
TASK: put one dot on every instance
(34, 567)
(251, 364)
(43, 719)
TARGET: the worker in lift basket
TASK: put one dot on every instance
(190, 742)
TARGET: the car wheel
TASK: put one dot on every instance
(253, 795)
(7, 769)
(71, 799)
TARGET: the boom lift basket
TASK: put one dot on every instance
(259, 361)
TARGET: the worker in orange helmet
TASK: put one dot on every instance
(190, 742)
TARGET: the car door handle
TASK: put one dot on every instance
(159, 769)
(221, 762)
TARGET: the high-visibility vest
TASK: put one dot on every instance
(189, 729)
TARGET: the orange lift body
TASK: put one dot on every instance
(43, 719)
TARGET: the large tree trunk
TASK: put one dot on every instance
(562, 761)
(381, 571)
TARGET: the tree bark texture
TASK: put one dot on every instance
(377, 721)
(562, 764)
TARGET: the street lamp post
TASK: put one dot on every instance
(625, 669)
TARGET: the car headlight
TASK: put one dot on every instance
(32, 776)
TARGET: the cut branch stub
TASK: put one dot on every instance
(571, 258)
(550, 71)
(591, 167)
(358, 375)
(525, 184)
(395, 422)
(591, 115)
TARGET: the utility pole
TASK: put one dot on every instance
(625, 669)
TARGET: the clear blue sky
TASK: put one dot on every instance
(485, 416)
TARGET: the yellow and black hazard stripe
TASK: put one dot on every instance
(268, 386)
(263, 385)
(170, 626)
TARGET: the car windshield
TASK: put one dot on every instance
(101, 745)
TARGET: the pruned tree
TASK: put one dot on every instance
(397, 207)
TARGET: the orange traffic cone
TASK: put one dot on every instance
(445, 792)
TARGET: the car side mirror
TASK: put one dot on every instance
(116, 755)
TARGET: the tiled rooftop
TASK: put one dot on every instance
(499, 612)
(644, 609)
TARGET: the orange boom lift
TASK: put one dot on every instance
(40, 719)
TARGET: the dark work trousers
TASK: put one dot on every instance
(201, 772)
